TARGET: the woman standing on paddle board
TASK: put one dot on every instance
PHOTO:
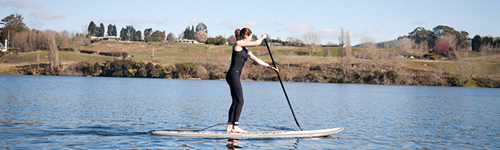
(238, 58)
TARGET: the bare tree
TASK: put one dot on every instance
(485, 48)
(170, 37)
(289, 41)
(83, 36)
(53, 51)
(448, 39)
(344, 51)
(19, 40)
(297, 42)
(62, 39)
(231, 40)
(26, 40)
(368, 48)
(466, 68)
(328, 52)
(422, 48)
(313, 42)
(406, 44)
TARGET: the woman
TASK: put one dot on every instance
(239, 56)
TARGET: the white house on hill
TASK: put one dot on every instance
(3, 48)
(106, 38)
(187, 41)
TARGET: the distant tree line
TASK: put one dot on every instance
(485, 44)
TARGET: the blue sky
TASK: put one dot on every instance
(381, 20)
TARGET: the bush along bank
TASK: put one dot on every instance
(304, 72)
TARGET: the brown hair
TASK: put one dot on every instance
(240, 34)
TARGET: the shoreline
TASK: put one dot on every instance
(247, 80)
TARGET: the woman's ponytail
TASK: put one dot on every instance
(237, 34)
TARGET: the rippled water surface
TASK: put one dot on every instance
(54, 112)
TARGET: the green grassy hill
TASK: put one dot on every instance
(294, 61)
(388, 44)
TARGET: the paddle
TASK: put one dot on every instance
(279, 77)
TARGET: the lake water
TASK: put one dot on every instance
(56, 112)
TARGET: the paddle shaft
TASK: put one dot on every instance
(281, 82)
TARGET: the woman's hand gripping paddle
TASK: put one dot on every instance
(279, 77)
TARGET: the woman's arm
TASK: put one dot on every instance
(260, 61)
(253, 43)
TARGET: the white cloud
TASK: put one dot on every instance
(225, 23)
(250, 24)
(137, 21)
(353, 34)
(300, 28)
(35, 24)
(329, 33)
(112, 20)
(419, 22)
(246, 25)
(195, 21)
(19, 4)
(160, 20)
(40, 14)
(274, 24)
(370, 30)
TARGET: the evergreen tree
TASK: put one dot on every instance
(92, 29)
(101, 30)
(123, 34)
(147, 34)
(13, 24)
(138, 35)
(130, 32)
(114, 31)
(187, 33)
(158, 35)
(201, 27)
(421, 35)
(462, 39)
(110, 30)
(192, 32)
(487, 40)
(476, 43)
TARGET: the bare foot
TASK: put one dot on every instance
(229, 128)
(237, 129)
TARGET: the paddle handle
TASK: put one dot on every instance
(282, 86)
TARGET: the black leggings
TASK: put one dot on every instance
(233, 79)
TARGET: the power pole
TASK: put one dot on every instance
(153, 55)
(7, 43)
(38, 60)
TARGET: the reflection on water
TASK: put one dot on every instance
(55, 112)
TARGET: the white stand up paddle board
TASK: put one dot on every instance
(252, 134)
